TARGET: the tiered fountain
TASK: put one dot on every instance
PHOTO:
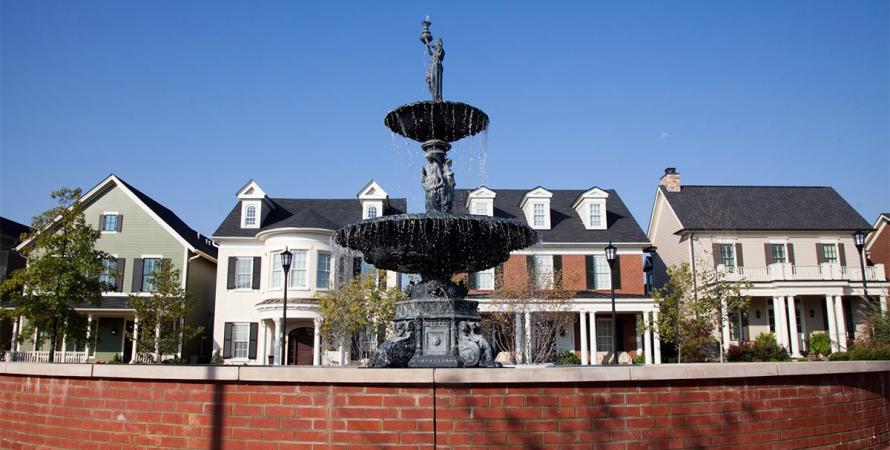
(437, 326)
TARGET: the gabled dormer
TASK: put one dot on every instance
(591, 208)
(535, 205)
(374, 200)
(481, 201)
(255, 205)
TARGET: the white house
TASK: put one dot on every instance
(249, 283)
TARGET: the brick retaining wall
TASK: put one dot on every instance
(365, 409)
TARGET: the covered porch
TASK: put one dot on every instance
(302, 334)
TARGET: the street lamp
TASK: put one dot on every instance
(611, 253)
(286, 259)
(859, 240)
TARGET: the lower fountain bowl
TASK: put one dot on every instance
(436, 244)
(427, 120)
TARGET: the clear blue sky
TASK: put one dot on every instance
(189, 100)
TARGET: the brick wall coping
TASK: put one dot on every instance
(352, 375)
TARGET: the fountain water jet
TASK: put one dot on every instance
(437, 326)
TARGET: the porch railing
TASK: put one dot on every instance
(785, 271)
(43, 357)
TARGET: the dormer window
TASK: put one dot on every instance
(250, 215)
(372, 212)
(255, 205)
(539, 215)
(480, 209)
(480, 201)
(596, 215)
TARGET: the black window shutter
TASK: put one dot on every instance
(119, 276)
(738, 255)
(842, 255)
(471, 280)
(715, 249)
(120, 222)
(251, 348)
(768, 251)
(820, 255)
(616, 272)
(790, 253)
(530, 267)
(230, 275)
(137, 275)
(101, 222)
(356, 266)
(257, 267)
(227, 341)
(557, 265)
(589, 272)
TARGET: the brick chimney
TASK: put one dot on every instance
(670, 180)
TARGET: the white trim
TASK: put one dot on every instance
(151, 257)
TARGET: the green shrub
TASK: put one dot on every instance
(863, 352)
(820, 343)
(640, 359)
(567, 358)
(763, 349)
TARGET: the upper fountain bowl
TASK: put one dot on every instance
(428, 120)
(436, 244)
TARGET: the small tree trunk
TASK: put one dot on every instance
(53, 333)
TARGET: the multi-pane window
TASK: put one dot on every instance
(596, 215)
(372, 212)
(323, 271)
(727, 255)
(735, 326)
(298, 274)
(602, 276)
(543, 271)
(604, 335)
(250, 215)
(109, 222)
(539, 215)
(485, 280)
(772, 321)
(778, 253)
(244, 272)
(240, 339)
(149, 267)
(480, 208)
(829, 253)
(109, 268)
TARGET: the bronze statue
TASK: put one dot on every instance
(437, 56)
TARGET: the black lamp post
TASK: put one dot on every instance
(286, 259)
(611, 253)
(859, 240)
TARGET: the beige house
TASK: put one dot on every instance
(793, 244)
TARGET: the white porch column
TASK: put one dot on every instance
(584, 353)
(594, 358)
(883, 303)
(13, 345)
(181, 325)
(656, 346)
(528, 337)
(832, 325)
(517, 333)
(135, 339)
(792, 323)
(841, 323)
(639, 337)
(647, 338)
(64, 346)
(316, 343)
(724, 331)
(276, 344)
(158, 343)
(89, 335)
(341, 353)
(779, 317)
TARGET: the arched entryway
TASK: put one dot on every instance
(299, 346)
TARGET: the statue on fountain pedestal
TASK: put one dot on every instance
(437, 55)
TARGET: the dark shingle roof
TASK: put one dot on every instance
(328, 214)
(195, 239)
(566, 225)
(12, 228)
(763, 208)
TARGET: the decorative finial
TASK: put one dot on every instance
(425, 36)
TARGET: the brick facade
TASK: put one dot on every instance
(852, 409)
(574, 275)
(879, 252)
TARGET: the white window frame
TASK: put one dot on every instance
(240, 330)
(602, 273)
(784, 252)
(485, 280)
(105, 222)
(147, 279)
(720, 247)
(536, 215)
(239, 273)
(296, 270)
(110, 276)
(595, 215)
(543, 277)
(604, 339)
(319, 271)
(257, 208)
(372, 212)
(250, 215)
(837, 256)
(480, 208)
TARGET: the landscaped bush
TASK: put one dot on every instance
(763, 349)
(820, 344)
(863, 352)
(567, 358)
